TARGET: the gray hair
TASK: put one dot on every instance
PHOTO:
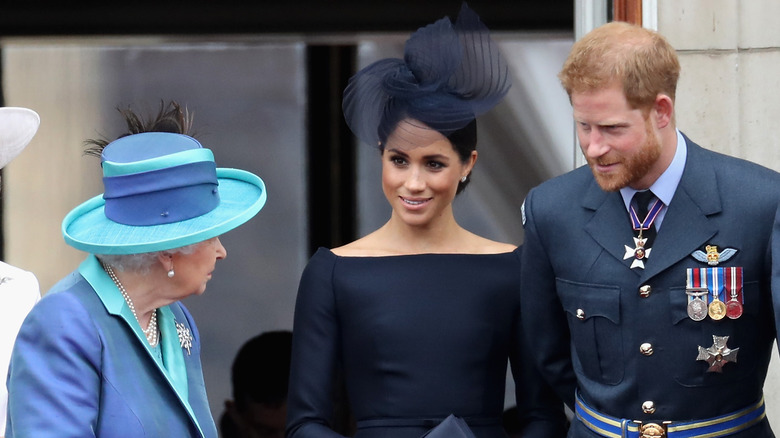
(141, 262)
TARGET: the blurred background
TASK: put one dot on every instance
(264, 82)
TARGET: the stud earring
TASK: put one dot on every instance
(463, 179)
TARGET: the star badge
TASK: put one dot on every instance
(717, 355)
(638, 252)
(185, 336)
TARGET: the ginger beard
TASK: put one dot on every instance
(634, 166)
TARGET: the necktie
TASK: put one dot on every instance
(642, 201)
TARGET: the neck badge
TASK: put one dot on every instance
(639, 252)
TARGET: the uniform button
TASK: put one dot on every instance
(580, 314)
(648, 407)
(644, 290)
(646, 348)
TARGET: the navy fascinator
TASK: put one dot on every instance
(450, 74)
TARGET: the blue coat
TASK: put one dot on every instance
(80, 369)
(588, 321)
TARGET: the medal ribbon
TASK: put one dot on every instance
(696, 278)
(647, 222)
(692, 278)
(716, 284)
(734, 283)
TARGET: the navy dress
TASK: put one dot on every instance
(419, 337)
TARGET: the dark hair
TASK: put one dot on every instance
(463, 140)
(170, 118)
(261, 369)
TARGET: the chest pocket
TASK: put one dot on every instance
(593, 314)
(749, 333)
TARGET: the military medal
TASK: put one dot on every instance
(698, 293)
(727, 279)
(697, 303)
(717, 308)
(733, 286)
(639, 252)
(733, 309)
(717, 355)
(717, 282)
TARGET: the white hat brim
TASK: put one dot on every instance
(17, 128)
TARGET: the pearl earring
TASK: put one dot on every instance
(463, 179)
(171, 273)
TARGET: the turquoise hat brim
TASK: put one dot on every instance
(242, 195)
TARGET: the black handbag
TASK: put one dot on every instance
(451, 427)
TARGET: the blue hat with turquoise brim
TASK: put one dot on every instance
(162, 191)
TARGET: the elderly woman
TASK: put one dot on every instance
(110, 351)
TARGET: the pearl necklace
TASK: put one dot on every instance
(151, 332)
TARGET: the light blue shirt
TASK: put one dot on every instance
(666, 184)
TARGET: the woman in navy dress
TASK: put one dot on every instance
(421, 315)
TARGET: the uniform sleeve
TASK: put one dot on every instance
(540, 409)
(545, 327)
(315, 352)
(54, 381)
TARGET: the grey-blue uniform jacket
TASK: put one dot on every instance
(622, 337)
